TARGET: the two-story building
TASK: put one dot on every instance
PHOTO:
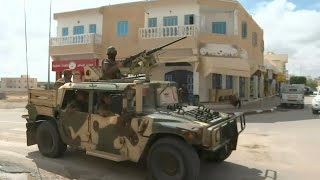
(222, 55)
(78, 41)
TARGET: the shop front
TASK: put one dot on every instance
(77, 66)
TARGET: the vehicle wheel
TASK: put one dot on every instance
(315, 111)
(49, 141)
(302, 106)
(172, 159)
(220, 155)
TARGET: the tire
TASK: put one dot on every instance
(315, 111)
(49, 141)
(302, 106)
(172, 159)
(220, 155)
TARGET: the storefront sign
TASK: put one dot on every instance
(281, 78)
(76, 65)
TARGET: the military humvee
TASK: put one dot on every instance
(148, 125)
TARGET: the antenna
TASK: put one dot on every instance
(49, 46)
(26, 41)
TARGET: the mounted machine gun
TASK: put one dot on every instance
(140, 65)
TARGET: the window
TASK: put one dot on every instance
(170, 21)
(107, 104)
(219, 27)
(123, 28)
(168, 77)
(244, 30)
(76, 100)
(189, 19)
(216, 81)
(229, 83)
(92, 28)
(78, 30)
(65, 31)
(152, 22)
(254, 39)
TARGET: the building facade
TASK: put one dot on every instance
(17, 84)
(222, 54)
(78, 41)
(277, 72)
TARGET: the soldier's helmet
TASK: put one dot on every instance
(67, 72)
(111, 50)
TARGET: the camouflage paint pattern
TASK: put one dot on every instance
(127, 135)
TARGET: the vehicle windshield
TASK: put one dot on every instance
(292, 90)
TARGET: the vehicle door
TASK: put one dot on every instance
(74, 117)
(105, 123)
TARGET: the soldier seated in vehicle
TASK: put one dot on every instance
(80, 103)
(103, 107)
(67, 76)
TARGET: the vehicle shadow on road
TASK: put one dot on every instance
(284, 115)
(75, 164)
(231, 171)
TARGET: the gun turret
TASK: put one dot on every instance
(128, 62)
(145, 60)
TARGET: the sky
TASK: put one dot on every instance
(290, 26)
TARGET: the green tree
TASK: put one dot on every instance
(298, 80)
(312, 83)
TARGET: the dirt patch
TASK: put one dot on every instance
(14, 101)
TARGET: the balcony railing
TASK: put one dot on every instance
(168, 31)
(76, 39)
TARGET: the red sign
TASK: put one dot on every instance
(76, 65)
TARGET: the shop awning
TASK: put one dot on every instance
(227, 66)
(178, 59)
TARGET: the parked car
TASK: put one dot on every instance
(308, 90)
(292, 95)
(316, 103)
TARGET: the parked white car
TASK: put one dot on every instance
(292, 95)
(316, 104)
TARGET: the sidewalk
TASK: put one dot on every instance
(268, 104)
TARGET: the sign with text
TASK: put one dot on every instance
(76, 65)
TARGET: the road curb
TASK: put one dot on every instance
(258, 111)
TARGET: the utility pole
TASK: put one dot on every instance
(49, 46)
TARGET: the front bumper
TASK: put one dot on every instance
(223, 133)
(284, 101)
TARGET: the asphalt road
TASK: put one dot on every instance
(281, 145)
